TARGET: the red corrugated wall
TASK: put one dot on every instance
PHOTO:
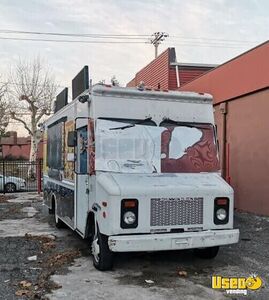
(162, 72)
(132, 83)
(155, 73)
(172, 79)
(187, 74)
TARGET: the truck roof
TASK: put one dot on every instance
(107, 90)
(119, 102)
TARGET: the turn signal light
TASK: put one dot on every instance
(129, 203)
(222, 201)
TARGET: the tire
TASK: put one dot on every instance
(52, 209)
(10, 187)
(59, 223)
(207, 253)
(102, 256)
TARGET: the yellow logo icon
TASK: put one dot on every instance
(253, 282)
(237, 285)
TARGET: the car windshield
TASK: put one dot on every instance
(168, 148)
(188, 148)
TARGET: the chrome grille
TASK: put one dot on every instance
(176, 211)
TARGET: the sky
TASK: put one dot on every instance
(202, 31)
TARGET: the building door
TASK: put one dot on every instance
(82, 177)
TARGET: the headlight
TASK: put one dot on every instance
(129, 213)
(221, 214)
(129, 218)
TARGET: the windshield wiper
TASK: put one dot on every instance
(178, 123)
(123, 127)
(131, 125)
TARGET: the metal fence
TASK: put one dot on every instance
(18, 176)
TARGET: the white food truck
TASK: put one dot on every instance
(134, 169)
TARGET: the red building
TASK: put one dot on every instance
(240, 88)
(165, 72)
(14, 147)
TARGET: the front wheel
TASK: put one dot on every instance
(102, 256)
(10, 187)
(59, 223)
(207, 253)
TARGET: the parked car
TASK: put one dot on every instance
(12, 183)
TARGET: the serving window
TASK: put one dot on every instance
(55, 145)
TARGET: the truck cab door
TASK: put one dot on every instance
(82, 177)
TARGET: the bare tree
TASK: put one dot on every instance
(4, 116)
(32, 94)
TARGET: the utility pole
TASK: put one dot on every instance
(157, 38)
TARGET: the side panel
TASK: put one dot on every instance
(64, 199)
(65, 204)
(58, 166)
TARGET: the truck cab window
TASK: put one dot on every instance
(82, 150)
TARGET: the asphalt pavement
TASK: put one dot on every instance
(38, 261)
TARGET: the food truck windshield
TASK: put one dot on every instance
(172, 147)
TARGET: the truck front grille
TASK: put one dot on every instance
(176, 211)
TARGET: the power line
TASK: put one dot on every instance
(212, 39)
(207, 45)
(72, 41)
(191, 43)
(121, 36)
(154, 39)
(95, 35)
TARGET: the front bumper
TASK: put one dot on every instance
(22, 186)
(172, 241)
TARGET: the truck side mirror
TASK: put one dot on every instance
(71, 139)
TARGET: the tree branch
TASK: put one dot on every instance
(33, 93)
(42, 113)
(14, 117)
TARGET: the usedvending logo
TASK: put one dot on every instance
(237, 285)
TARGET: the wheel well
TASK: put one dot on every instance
(90, 226)
(10, 183)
